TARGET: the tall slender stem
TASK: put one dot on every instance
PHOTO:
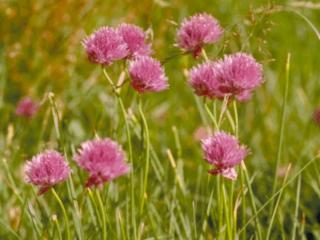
(103, 216)
(130, 155)
(67, 227)
(147, 154)
(282, 126)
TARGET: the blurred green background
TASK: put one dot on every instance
(41, 51)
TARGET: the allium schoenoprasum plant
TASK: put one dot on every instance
(159, 120)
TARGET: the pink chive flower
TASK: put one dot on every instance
(135, 38)
(46, 170)
(197, 31)
(27, 108)
(105, 46)
(203, 78)
(224, 152)
(103, 159)
(316, 116)
(147, 75)
(239, 74)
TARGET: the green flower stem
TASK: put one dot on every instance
(147, 155)
(64, 213)
(282, 127)
(212, 116)
(226, 210)
(124, 115)
(103, 216)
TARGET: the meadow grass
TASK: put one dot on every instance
(169, 193)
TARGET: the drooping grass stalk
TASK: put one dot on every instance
(296, 212)
(103, 216)
(278, 192)
(130, 155)
(282, 126)
(66, 221)
(276, 206)
(147, 155)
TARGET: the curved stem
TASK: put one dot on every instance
(212, 117)
(146, 130)
(64, 213)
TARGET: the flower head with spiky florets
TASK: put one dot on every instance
(147, 75)
(197, 31)
(105, 46)
(103, 159)
(203, 79)
(239, 74)
(224, 152)
(46, 170)
(27, 107)
(135, 38)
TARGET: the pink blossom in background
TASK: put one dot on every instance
(103, 159)
(201, 132)
(224, 152)
(239, 74)
(27, 107)
(135, 38)
(203, 78)
(316, 116)
(105, 46)
(197, 31)
(147, 75)
(46, 170)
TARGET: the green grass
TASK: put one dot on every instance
(169, 194)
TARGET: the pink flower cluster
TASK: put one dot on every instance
(197, 31)
(128, 41)
(108, 44)
(224, 152)
(102, 159)
(27, 108)
(236, 75)
(46, 170)
(147, 75)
